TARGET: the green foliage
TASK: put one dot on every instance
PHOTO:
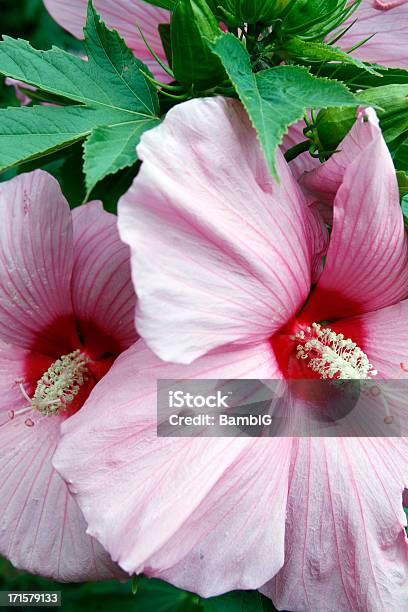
(192, 23)
(315, 19)
(30, 18)
(402, 178)
(238, 12)
(112, 95)
(357, 78)
(277, 97)
(391, 104)
(140, 594)
(298, 49)
(165, 4)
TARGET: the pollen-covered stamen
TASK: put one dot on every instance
(331, 355)
(59, 385)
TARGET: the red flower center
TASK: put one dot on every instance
(318, 351)
(66, 361)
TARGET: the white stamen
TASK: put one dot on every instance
(57, 387)
(331, 355)
(13, 413)
(24, 392)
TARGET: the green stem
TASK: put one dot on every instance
(297, 150)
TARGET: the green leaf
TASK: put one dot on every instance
(391, 103)
(28, 133)
(320, 52)
(109, 149)
(402, 178)
(165, 37)
(109, 94)
(151, 595)
(277, 97)
(358, 78)
(192, 24)
(399, 152)
(404, 206)
(238, 601)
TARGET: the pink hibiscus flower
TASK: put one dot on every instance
(224, 258)
(66, 311)
(385, 19)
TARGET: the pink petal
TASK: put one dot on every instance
(204, 513)
(35, 263)
(389, 43)
(20, 95)
(220, 252)
(41, 527)
(102, 292)
(319, 239)
(345, 543)
(367, 260)
(123, 16)
(325, 179)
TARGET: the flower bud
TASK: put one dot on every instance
(237, 12)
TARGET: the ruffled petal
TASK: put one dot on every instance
(35, 264)
(367, 260)
(123, 16)
(220, 252)
(102, 292)
(206, 514)
(325, 179)
(42, 529)
(387, 20)
(345, 544)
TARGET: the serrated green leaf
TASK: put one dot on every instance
(28, 133)
(358, 78)
(106, 92)
(277, 97)
(320, 52)
(109, 149)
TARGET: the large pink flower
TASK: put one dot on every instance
(66, 312)
(123, 16)
(223, 258)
